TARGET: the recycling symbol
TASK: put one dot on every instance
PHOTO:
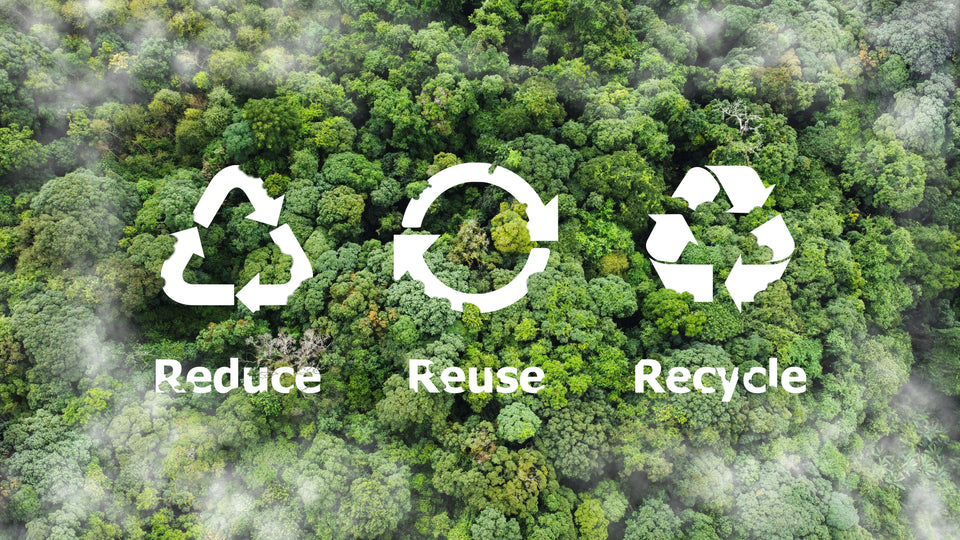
(671, 234)
(254, 294)
(408, 250)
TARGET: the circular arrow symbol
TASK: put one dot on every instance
(408, 250)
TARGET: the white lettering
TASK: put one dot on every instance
(531, 375)
(227, 378)
(453, 378)
(171, 379)
(230, 371)
(308, 375)
(199, 375)
(487, 387)
(641, 376)
(261, 381)
(698, 380)
(275, 380)
(678, 375)
(729, 385)
(508, 380)
(748, 381)
(793, 375)
(792, 379)
(417, 378)
(449, 376)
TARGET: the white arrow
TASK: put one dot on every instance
(254, 294)
(408, 258)
(669, 237)
(775, 235)
(188, 244)
(408, 250)
(742, 186)
(696, 279)
(265, 208)
(746, 280)
(543, 217)
(697, 187)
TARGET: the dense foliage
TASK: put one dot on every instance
(115, 114)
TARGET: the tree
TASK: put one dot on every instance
(919, 116)
(339, 211)
(591, 520)
(470, 245)
(517, 423)
(881, 249)
(27, 71)
(654, 520)
(335, 135)
(75, 220)
(841, 514)
(352, 170)
(151, 66)
(575, 438)
(613, 296)
(18, 150)
(671, 313)
(483, 474)
(377, 505)
(239, 141)
(534, 108)
(347, 494)
(773, 503)
(544, 164)
(509, 230)
(627, 179)
(491, 524)
(887, 177)
(49, 463)
(402, 408)
(275, 123)
(920, 33)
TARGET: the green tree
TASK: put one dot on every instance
(517, 423)
(151, 65)
(654, 520)
(575, 438)
(773, 503)
(339, 211)
(592, 523)
(275, 123)
(886, 177)
(74, 220)
(18, 150)
(625, 178)
(491, 524)
(509, 230)
(920, 33)
(613, 296)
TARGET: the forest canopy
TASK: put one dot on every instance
(115, 115)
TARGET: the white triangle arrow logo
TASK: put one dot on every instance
(253, 295)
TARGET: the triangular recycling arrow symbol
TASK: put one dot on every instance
(254, 294)
(671, 234)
